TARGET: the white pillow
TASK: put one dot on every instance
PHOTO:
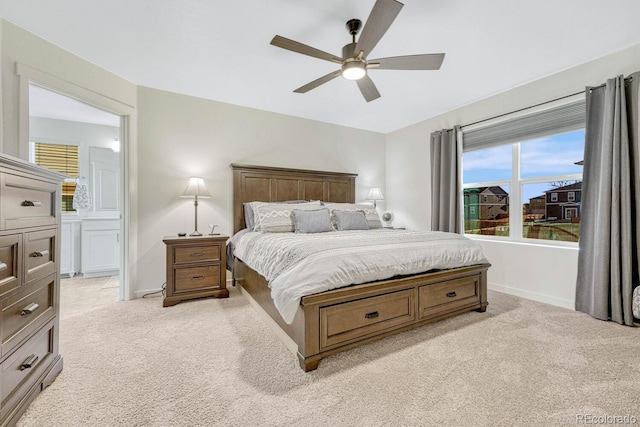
(276, 217)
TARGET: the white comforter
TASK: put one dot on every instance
(296, 265)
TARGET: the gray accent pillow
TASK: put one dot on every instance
(249, 221)
(314, 221)
(350, 220)
(370, 212)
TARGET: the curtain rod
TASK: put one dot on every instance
(627, 80)
(522, 109)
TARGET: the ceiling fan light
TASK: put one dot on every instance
(353, 70)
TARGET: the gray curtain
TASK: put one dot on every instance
(608, 257)
(445, 203)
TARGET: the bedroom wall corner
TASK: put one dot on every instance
(182, 136)
(408, 178)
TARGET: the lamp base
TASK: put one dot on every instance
(195, 233)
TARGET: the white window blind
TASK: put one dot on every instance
(564, 118)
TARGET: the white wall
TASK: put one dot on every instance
(181, 136)
(538, 272)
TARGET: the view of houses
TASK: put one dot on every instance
(554, 215)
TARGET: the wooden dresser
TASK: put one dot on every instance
(30, 211)
(196, 268)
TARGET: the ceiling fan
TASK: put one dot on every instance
(354, 62)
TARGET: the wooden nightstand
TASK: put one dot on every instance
(196, 268)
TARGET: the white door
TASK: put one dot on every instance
(105, 179)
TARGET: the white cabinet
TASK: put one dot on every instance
(70, 248)
(100, 247)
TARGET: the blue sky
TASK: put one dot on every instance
(554, 155)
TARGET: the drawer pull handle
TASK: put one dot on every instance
(371, 315)
(39, 253)
(29, 309)
(29, 362)
(196, 254)
(31, 203)
(197, 277)
(452, 294)
(3, 266)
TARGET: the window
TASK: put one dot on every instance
(60, 158)
(532, 158)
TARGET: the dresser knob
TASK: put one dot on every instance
(196, 254)
(451, 294)
(29, 309)
(3, 266)
(39, 254)
(371, 315)
(29, 362)
(31, 203)
(197, 277)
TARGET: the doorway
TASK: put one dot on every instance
(82, 142)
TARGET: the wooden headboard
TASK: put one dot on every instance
(272, 184)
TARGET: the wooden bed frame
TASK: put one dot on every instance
(344, 318)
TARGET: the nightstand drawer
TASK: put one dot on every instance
(190, 278)
(25, 312)
(190, 254)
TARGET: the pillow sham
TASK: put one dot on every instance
(370, 212)
(276, 217)
(249, 221)
(314, 221)
(350, 220)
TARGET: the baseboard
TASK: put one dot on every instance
(142, 293)
(558, 302)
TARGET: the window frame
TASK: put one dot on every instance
(516, 182)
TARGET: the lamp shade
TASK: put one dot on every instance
(375, 194)
(196, 187)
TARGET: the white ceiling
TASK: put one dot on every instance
(220, 49)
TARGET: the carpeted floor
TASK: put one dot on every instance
(213, 362)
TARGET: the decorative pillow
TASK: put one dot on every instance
(370, 212)
(350, 220)
(315, 221)
(249, 221)
(276, 217)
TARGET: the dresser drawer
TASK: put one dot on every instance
(190, 254)
(437, 298)
(25, 312)
(27, 202)
(40, 254)
(203, 277)
(10, 262)
(358, 319)
(22, 369)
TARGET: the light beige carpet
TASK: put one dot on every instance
(213, 362)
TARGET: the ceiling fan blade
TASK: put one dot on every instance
(368, 89)
(382, 15)
(314, 84)
(298, 47)
(429, 61)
